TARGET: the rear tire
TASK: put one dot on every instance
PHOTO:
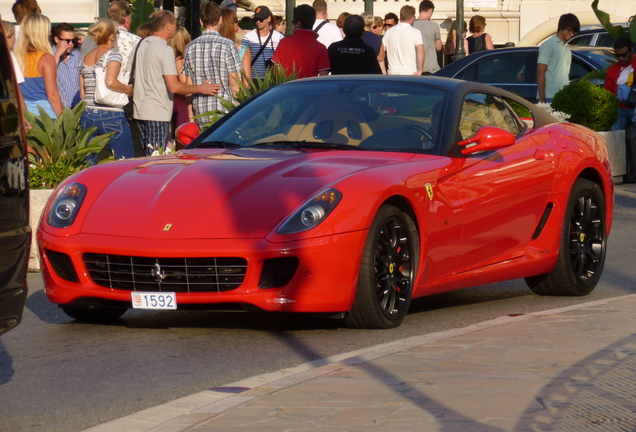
(387, 272)
(93, 314)
(583, 245)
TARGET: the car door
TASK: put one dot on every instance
(514, 71)
(503, 192)
(15, 233)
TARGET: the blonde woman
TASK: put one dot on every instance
(378, 25)
(182, 105)
(228, 29)
(105, 118)
(35, 58)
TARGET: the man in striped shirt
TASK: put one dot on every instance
(67, 58)
(262, 41)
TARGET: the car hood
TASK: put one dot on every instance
(215, 194)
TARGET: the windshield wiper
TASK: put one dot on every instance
(308, 144)
(217, 144)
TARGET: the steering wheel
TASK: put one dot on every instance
(428, 142)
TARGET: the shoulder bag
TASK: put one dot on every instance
(104, 95)
(631, 98)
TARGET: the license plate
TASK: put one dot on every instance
(154, 300)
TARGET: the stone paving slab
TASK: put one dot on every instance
(571, 369)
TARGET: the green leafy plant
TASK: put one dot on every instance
(141, 11)
(60, 147)
(614, 31)
(587, 104)
(249, 87)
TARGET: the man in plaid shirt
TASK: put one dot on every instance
(213, 57)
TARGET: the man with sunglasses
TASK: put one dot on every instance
(262, 41)
(67, 57)
(619, 79)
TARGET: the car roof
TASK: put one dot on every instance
(454, 67)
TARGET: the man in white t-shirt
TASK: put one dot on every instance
(404, 45)
(156, 81)
(328, 32)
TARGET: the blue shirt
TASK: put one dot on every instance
(68, 79)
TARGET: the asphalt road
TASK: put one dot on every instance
(60, 375)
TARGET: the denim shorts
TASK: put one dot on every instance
(108, 121)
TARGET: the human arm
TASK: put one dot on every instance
(488, 40)
(247, 64)
(60, 49)
(47, 67)
(541, 71)
(420, 59)
(177, 87)
(179, 64)
(112, 72)
(381, 57)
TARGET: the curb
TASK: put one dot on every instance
(183, 413)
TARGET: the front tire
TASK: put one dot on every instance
(583, 245)
(387, 272)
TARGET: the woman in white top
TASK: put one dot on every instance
(105, 118)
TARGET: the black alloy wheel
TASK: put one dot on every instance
(387, 271)
(583, 245)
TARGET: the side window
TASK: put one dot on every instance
(481, 109)
(584, 40)
(604, 40)
(577, 69)
(503, 69)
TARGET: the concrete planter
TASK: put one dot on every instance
(38, 199)
(615, 141)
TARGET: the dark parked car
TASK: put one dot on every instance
(594, 36)
(15, 233)
(515, 69)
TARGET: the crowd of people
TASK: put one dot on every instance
(171, 78)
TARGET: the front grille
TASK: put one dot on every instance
(62, 264)
(165, 274)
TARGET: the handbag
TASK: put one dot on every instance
(104, 95)
(631, 97)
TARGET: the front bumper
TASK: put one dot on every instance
(324, 280)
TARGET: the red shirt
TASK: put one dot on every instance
(611, 79)
(303, 51)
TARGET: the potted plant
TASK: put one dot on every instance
(592, 106)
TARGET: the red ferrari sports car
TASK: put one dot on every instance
(346, 196)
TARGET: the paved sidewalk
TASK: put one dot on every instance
(571, 369)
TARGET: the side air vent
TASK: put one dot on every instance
(62, 265)
(544, 219)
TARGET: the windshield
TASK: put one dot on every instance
(341, 114)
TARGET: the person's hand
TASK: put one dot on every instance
(129, 91)
(208, 88)
(60, 49)
(418, 72)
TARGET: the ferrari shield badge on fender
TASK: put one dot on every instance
(429, 191)
(168, 227)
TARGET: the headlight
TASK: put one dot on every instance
(312, 212)
(66, 205)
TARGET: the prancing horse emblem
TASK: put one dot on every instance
(429, 191)
(157, 273)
